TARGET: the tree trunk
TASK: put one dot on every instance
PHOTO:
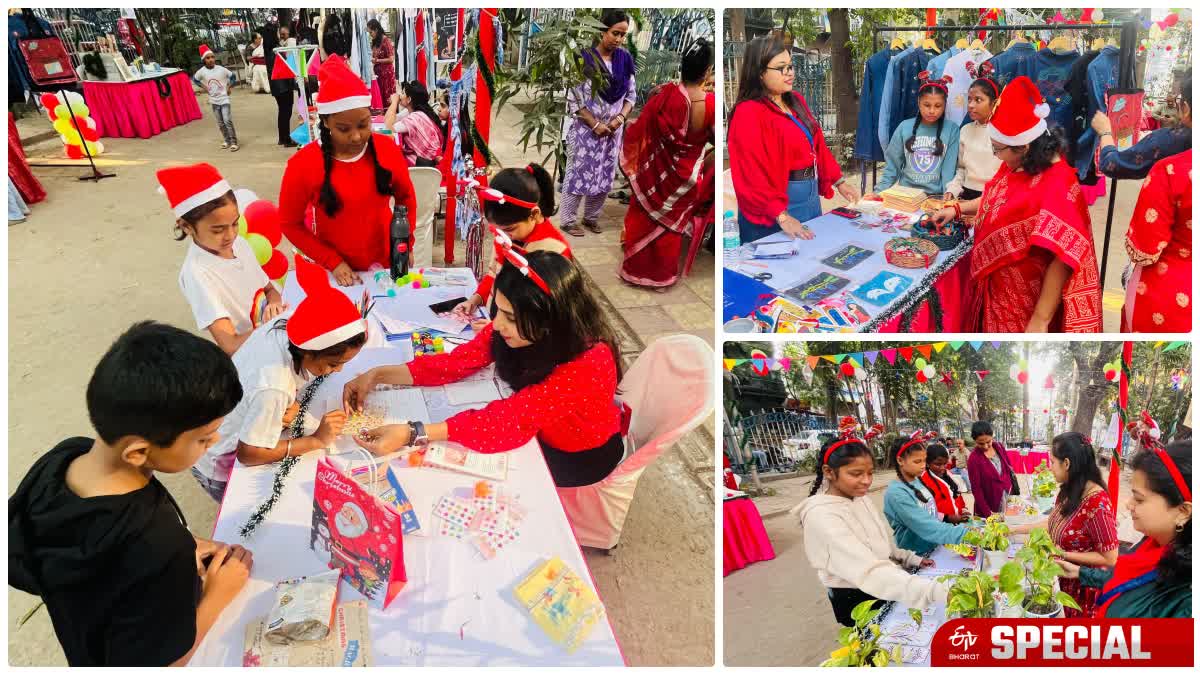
(737, 24)
(843, 70)
(1093, 386)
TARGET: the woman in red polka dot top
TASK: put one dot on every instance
(550, 343)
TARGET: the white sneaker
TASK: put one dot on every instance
(233, 148)
(224, 145)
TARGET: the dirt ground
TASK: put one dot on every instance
(768, 604)
(96, 257)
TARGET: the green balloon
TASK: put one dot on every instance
(261, 247)
(920, 364)
(243, 227)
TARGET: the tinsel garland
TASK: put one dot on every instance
(489, 78)
(936, 313)
(285, 466)
(918, 292)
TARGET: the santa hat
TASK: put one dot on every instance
(205, 51)
(326, 316)
(187, 187)
(1020, 114)
(339, 88)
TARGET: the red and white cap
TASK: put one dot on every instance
(1020, 113)
(339, 88)
(325, 316)
(187, 187)
(205, 51)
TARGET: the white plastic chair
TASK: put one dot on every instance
(684, 363)
(426, 181)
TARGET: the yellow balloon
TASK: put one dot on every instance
(72, 137)
(63, 125)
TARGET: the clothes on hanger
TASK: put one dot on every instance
(1077, 89)
(1053, 74)
(956, 94)
(1019, 59)
(1102, 75)
(900, 91)
(938, 63)
(866, 140)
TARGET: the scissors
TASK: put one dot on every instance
(761, 276)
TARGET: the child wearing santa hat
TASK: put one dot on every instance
(280, 368)
(352, 177)
(216, 80)
(226, 288)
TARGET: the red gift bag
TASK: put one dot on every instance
(361, 534)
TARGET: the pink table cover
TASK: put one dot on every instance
(135, 110)
(952, 287)
(746, 540)
(1027, 463)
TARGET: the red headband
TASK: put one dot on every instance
(848, 438)
(490, 194)
(518, 261)
(939, 83)
(984, 72)
(918, 436)
(1174, 471)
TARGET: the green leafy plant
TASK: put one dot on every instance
(1040, 572)
(1044, 484)
(860, 643)
(972, 592)
(993, 536)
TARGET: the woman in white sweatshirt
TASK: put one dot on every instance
(977, 164)
(849, 542)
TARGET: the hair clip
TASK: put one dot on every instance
(518, 261)
(490, 194)
(529, 168)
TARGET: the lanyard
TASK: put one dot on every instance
(811, 143)
(1136, 582)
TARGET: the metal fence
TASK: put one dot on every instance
(775, 440)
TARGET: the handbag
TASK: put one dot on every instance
(358, 533)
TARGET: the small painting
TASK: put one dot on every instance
(883, 289)
(821, 286)
(848, 257)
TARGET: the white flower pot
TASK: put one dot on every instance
(1044, 504)
(992, 561)
(1056, 613)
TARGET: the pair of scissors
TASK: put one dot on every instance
(761, 276)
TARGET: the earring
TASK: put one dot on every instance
(1179, 526)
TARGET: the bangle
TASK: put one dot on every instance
(595, 126)
(957, 209)
(1105, 133)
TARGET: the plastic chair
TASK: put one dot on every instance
(597, 512)
(426, 181)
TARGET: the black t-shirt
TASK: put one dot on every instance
(117, 572)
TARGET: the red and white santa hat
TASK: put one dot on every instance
(1020, 114)
(187, 187)
(326, 316)
(205, 51)
(339, 88)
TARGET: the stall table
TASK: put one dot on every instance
(136, 109)
(948, 277)
(745, 539)
(457, 609)
(1027, 461)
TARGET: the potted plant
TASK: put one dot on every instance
(1044, 488)
(992, 541)
(860, 643)
(1040, 598)
(972, 592)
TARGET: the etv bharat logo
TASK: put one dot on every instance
(963, 638)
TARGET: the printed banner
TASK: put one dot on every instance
(1118, 643)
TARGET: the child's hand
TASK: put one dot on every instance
(345, 276)
(228, 573)
(927, 562)
(289, 415)
(331, 426)
(273, 310)
(355, 393)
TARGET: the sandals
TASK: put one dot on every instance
(573, 230)
(592, 226)
(233, 147)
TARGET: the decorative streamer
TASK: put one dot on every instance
(1114, 472)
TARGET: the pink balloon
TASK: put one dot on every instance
(1022, 377)
(263, 218)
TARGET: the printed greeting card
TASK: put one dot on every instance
(883, 288)
(561, 603)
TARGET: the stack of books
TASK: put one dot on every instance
(904, 199)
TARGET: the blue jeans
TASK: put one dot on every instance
(803, 204)
(224, 116)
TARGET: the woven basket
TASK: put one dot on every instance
(910, 252)
(944, 242)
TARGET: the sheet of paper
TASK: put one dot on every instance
(407, 311)
(778, 249)
(777, 238)
(402, 405)
(471, 391)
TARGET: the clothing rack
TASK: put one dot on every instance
(1126, 80)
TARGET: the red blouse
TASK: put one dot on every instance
(1092, 528)
(572, 410)
(764, 146)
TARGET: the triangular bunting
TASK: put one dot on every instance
(856, 359)
(906, 353)
(833, 358)
(939, 346)
(956, 345)
(1174, 345)
(982, 374)
(871, 356)
(785, 363)
(925, 350)
(995, 344)
(838, 358)
(282, 70)
(812, 362)
(890, 355)
(975, 344)
(314, 63)
(730, 363)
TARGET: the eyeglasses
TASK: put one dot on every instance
(783, 70)
(996, 150)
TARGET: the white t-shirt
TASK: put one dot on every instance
(222, 288)
(269, 385)
(956, 91)
(216, 81)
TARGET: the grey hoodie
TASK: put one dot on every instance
(851, 546)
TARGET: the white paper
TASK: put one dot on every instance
(472, 391)
(777, 238)
(779, 249)
(402, 405)
(407, 311)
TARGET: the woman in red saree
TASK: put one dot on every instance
(1033, 268)
(1159, 242)
(667, 156)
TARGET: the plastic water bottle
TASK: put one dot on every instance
(399, 234)
(731, 232)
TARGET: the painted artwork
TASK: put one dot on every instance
(817, 288)
(848, 257)
(1125, 113)
(560, 602)
(883, 289)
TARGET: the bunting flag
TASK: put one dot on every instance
(871, 356)
(956, 345)
(982, 374)
(860, 359)
(939, 346)
(890, 355)
(314, 63)
(907, 353)
(925, 350)
(812, 362)
(283, 69)
(976, 345)
(1173, 346)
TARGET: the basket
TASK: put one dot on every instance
(910, 252)
(922, 229)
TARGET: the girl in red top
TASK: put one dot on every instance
(351, 178)
(523, 215)
(943, 487)
(780, 162)
(551, 344)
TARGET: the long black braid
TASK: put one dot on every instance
(329, 199)
(938, 146)
(895, 462)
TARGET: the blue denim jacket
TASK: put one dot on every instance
(900, 91)
(866, 138)
(1052, 76)
(1102, 75)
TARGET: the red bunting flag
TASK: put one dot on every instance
(282, 70)
(907, 353)
(982, 374)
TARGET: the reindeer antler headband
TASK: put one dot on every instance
(846, 427)
(918, 437)
(518, 261)
(1150, 436)
(984, 72)
(939, 83)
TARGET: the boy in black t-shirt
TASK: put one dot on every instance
(93, 532)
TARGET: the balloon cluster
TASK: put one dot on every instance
(1112, 371)
(259, 226)
(758, 362)
(77, 132)
(1019, 371)
(925, 370)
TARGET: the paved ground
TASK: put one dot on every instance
(769, 604)
(109, 248)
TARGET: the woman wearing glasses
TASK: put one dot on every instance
(777, 152)
(594, 135)
(1033, 267)
(550, 343)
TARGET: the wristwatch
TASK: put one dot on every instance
(416, 434)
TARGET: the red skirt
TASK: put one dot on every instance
(651, 250)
